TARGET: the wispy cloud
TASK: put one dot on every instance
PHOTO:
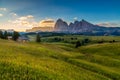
(13, 14)
(75, 18)
(109, 24)
(22, 23)
(28, 17)
(1, 15)
(3, 9)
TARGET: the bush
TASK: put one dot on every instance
(78, 44)
(86, 40)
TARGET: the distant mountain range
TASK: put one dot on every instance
(79, 27)
(40, 29)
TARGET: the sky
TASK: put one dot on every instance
(25, 14)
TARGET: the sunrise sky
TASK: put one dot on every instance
(25, 14)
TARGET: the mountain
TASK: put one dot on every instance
(77, 26)
(84, 26)
(61, 26)
(39, 29)
(81, 26)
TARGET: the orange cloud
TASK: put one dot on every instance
(47, 23)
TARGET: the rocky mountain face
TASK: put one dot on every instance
(61, 26)
(77, 26)
(82, 26)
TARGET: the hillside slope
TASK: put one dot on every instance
(58, 61)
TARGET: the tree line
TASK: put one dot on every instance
(81, 43)
(4, 35)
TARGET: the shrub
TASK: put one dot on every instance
(78, 44)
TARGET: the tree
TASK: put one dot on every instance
(5, 35)
(1, 34)
(38, 39)
(83, 42)
(78, 44)
(86, 40)
(15, 35)
(9, 34)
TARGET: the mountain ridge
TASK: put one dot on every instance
(82, 26)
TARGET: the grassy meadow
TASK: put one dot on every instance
(51, 60)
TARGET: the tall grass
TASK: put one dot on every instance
(58, 61)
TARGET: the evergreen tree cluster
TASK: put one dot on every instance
(5, 34)
(38, 38)
(83, 42)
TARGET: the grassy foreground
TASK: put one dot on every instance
(59, 61)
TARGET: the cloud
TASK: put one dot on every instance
(1, 15)
(23, 18)
(13, 14)
(109, 24)
(30, 16)
(3, 9)
(23, 23)
(75, 18)
(47, 23)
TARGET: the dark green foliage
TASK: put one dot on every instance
(5, 35)
(9, 34)
(38, 39)
(78, 44)
(114, 41)
(83, 42)
(57, 39)
(100, 42)
(73, 38)
(86, 40)
(15, 35)
(1, 34)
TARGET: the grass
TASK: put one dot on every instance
(59, 61)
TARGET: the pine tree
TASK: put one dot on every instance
(1, 34)
(5, 35)
(38, 39)
(15, 35)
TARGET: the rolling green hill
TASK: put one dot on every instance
(59, 61)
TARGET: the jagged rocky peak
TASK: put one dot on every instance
(59, 20)
(77, 26)
(71, 24)
(85, 22)
(61, 25)
(76, 22)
